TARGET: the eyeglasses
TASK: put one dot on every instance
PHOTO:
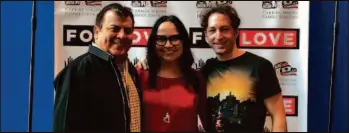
(161, 40)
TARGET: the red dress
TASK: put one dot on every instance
(171, 107)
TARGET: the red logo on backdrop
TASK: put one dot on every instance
(82, 35)
(285, 69)
(211, 4)
(268, 38)
(275, 4)
(291, 105)
(141, 35)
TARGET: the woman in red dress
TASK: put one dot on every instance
(174, 93)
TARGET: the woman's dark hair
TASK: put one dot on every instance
(186, 60)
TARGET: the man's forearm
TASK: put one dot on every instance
(279, 124)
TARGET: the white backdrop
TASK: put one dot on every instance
(276, 30)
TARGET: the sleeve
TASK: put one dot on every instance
(70, 110)
(207, 66)
(62, 86)
(269, 83)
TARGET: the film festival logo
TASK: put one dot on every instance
(138, 3)
(82, 8)
(288, 74)
(285, 69)
(212, 4)
(202, 5)
(276, 4)
(149, 8)
(288, 9)
(88, 3)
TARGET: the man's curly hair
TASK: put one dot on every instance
(223, 9)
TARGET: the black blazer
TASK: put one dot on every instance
(90, 95)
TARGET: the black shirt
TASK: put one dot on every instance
(236, 90)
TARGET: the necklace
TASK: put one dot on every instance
(166, 116)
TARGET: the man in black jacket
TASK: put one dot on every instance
(99, 90)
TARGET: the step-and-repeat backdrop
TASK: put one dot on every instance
(275, 30)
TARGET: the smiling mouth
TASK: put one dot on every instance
(120, 41)
(219, 43)
(168, 52)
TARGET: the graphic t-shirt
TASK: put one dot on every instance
(236, 90)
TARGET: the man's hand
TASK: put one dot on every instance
(219, 126)
(275, 106)
(142, 64)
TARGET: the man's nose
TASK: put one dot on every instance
(121, 33)
(219, 35)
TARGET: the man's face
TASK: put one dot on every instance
(115, 36)
(219, 34)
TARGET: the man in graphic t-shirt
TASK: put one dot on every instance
(241, 87)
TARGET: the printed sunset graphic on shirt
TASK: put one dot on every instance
(229, 92)
(235, 82)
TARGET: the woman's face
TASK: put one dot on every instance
(169, 46)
